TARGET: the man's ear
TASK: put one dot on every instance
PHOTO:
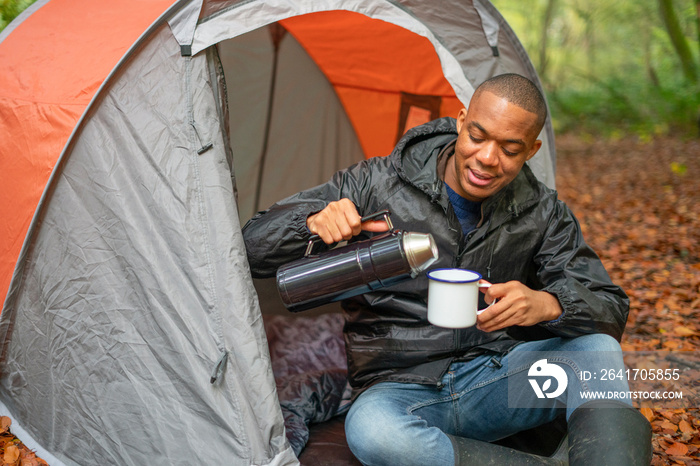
(461, 118)
(535, 147)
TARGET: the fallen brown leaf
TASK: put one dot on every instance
(677, 449)
(11, 454)
(648, 413)
(685, 427)
(683, 331)
(670, 415)
(5, 423)
(667, 425)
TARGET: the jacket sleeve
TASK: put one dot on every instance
(279, 234)
(570, 270)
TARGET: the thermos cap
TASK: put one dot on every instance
(421, 250)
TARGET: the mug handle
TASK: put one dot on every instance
(485, 285)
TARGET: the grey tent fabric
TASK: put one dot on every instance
(140, 273)
(132, 333)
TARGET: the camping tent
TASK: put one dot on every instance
(134, 134)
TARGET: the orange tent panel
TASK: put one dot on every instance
(54, 62)
(363, 59)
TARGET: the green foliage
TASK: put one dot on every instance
(611, 67)
(9, 9)
(679, 168)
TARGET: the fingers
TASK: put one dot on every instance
(489, 294)
(513, 307)
(495, 319)
(517, 305)
(484, 284)
(338, 221)
(375, 226)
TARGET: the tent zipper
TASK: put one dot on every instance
(219, 367)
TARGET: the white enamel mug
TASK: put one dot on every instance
(453, 297)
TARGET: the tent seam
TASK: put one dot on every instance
(224, 11)
(198, 178)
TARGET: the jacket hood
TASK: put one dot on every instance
(416, 154)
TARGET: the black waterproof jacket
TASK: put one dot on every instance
(525, 234)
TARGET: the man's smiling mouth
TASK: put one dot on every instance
(479, 178)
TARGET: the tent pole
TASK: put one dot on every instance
(277, 33)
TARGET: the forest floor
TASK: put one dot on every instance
(637, 203)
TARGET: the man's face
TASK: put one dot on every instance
(495, 140)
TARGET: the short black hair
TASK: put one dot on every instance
(517, 90)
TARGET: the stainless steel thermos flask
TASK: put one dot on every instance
(356, 268)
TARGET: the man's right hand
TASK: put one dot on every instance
(340, 221)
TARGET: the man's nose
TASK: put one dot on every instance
(488, 155)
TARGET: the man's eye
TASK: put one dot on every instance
(475, 139)
(507, 152)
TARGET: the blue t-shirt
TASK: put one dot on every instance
(468, 212)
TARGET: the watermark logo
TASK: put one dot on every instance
(542, 369)
(656, 379)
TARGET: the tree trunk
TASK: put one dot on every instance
(546, 22)
(679, 41)
(697, 21)
(651, 72)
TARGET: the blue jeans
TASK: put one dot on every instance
(395, 423)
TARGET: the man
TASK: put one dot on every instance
(428, 395)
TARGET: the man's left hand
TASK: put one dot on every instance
(517, 305)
